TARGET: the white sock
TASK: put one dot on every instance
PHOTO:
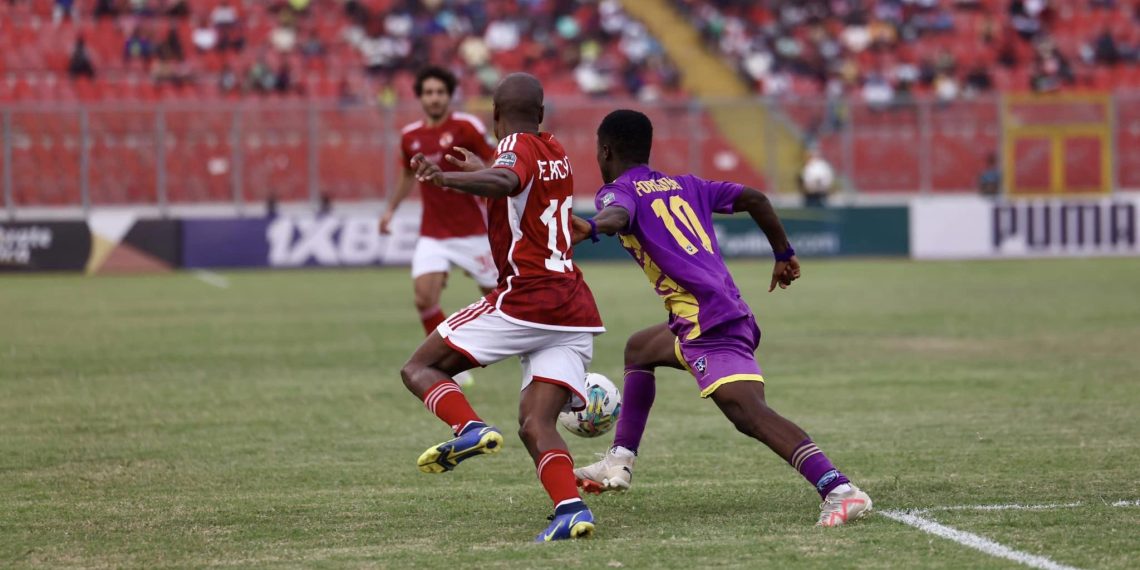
(619, 450)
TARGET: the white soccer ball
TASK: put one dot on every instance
(603, 403)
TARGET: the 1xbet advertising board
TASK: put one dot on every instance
(299, 241)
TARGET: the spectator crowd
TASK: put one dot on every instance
(344, 48)
(885, 51)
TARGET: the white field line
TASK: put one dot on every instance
(1010, 507)
(970, 540)
(212, 279)
(1017, 507)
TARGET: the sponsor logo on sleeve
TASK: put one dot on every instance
(507, 159)
(607, 199)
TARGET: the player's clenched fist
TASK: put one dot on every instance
(426, 170)
(784, 273)
(386, 222)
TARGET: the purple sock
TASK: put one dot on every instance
(636, 398)
(816, 468)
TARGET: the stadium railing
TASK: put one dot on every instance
(237, 154)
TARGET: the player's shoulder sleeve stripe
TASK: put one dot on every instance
(508, 143)
(411, 127)
(472, 120)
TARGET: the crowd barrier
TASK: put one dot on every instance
(929, 228)
(169, 155)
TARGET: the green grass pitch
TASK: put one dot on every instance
(162, 422)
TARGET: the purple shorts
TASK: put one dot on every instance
(725, 353)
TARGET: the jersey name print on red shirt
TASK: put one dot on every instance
(447, 213)
(529, 230)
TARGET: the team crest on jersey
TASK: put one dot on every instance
(446, 139)
(701, 365)
(507, 159)
(607, 199)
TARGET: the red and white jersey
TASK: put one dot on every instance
(539, 285)
(447, 213)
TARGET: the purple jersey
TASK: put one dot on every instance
(671, 236)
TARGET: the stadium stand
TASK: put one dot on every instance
(329, 49)
(887, 49)
(312, 72)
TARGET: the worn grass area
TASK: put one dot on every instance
(160, 421)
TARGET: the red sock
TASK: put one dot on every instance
(447, 402)
(556, 471)
(431, 318)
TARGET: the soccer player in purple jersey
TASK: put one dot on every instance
(665, 222)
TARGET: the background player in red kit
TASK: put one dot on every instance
(541, 311)
(453, 230)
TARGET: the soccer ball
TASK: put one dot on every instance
(603, 403)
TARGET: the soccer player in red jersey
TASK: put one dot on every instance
(541, 311)
(453, 230)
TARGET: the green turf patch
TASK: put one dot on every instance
(159, 421)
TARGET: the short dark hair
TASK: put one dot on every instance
(628, 133)
(435, 72)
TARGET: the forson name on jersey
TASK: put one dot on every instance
(660, 185)
(554, 169)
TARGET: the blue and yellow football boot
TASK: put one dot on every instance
(476, 439)
(570, 521)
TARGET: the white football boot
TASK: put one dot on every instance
(843, 506)
(613, 473)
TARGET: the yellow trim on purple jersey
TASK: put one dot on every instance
(728, 379)
(681, 357)
(679, 302)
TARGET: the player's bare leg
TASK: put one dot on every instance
(538, 416)
(427, 290)
(644, 352)
(428, 374)
(744, 405)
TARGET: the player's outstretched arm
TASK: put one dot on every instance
(609, 221)
(489, 182)
(758, 206)
(402, 191)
